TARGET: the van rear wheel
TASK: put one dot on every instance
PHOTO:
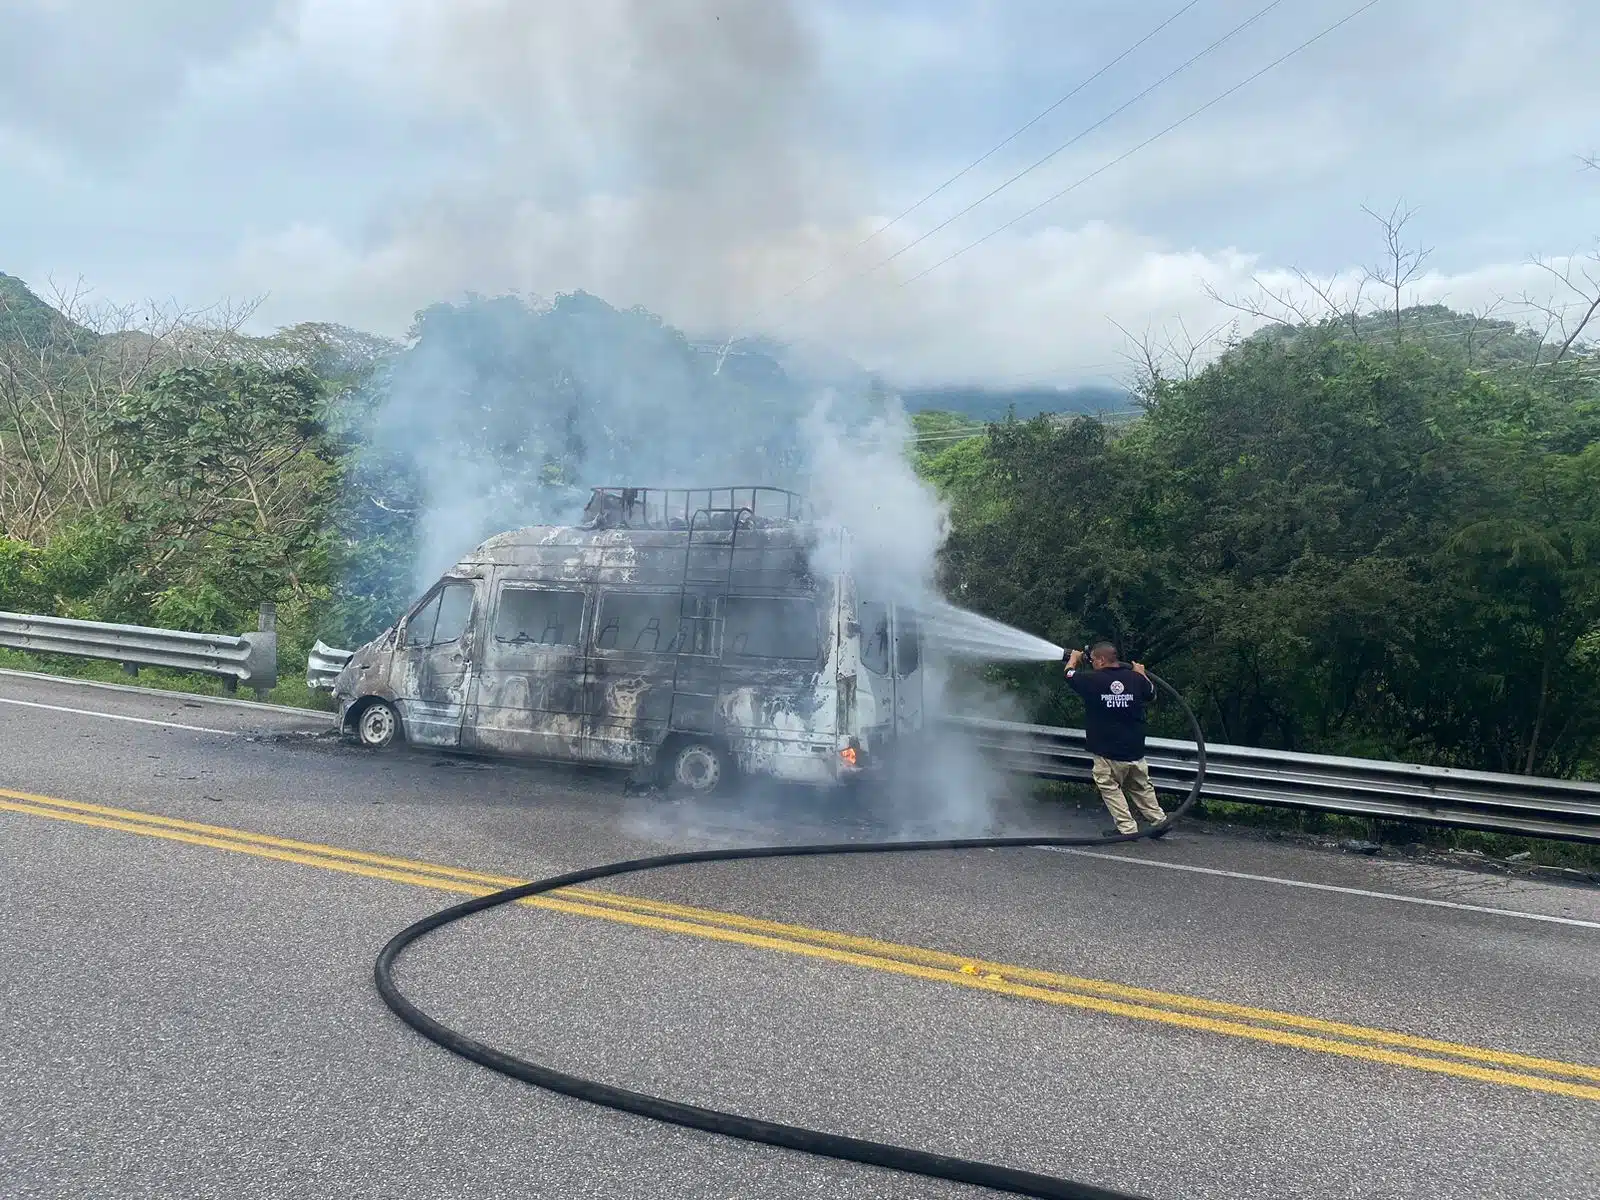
(378, 725)
(698, 768)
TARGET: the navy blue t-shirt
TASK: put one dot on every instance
(1113, 719)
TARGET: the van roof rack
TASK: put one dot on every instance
(674, 508)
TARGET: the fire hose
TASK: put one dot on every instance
(752, 1129)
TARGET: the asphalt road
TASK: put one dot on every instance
(193, 893)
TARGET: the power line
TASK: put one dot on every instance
(1107, 166)
(1215, 100)
(982, 158)
(995, 149)
(956, 435)
(1077, 137)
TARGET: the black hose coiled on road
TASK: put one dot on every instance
(752, 1129)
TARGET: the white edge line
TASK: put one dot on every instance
(1328, 887)
(86, 712)
(162, 693)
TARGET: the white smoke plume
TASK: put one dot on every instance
(505, 412)
(656, 152)
(860, 477)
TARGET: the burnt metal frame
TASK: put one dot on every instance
(708, 626)
(694, 501)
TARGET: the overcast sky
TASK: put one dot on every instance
(354, 160)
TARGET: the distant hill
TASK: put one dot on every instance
(809, 366)
(1483, 343)
(27, 319)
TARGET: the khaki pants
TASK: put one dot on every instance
(1111, 777)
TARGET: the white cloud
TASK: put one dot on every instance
(1049, 307)
(363, 158)
(95, 74)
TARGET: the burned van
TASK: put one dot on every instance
(689, 635)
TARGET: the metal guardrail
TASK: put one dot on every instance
(1521, 804)
(250, 659)
(324, 665)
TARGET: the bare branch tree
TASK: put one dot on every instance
(1319, 302)
(1580, 277)
(1144, 360)
(1402, 263)
(1174, 356)
(1343, 308)
(1477, 321)
(1577, 278)
(1272, 306)
(1188, 352)
(66, 362)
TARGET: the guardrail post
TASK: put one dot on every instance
(323, 666)
(267, 622)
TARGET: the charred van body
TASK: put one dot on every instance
(686, 634)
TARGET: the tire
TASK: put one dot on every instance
(378, 725)
(698, 768)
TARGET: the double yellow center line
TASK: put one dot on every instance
(1573, 1080)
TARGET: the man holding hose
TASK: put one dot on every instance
(1114, 698)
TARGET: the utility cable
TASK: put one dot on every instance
(1076, 138)
(1028, 170)
(993, 150)
(1184, 120)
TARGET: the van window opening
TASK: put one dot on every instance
(638, 621)
(874, 623)
(420, 625)
(907, 642)
(537, 617)
(771, 627)
(442, 619)
(455, 608)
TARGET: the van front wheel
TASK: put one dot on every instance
(378, 725)
(698, 768)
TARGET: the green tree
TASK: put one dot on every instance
(1332, 541)
(230, 478)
